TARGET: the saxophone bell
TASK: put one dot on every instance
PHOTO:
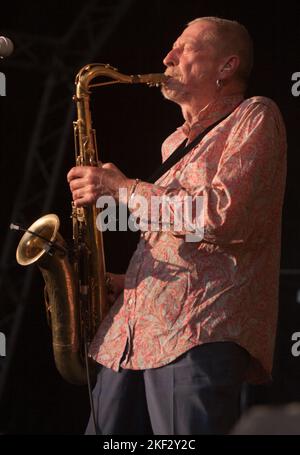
(33, 244)
(42, 244)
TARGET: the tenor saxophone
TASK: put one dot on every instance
(75, 292)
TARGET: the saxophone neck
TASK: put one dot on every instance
(94, 70)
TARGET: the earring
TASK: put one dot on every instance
(219, 83)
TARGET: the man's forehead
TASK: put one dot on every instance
(197, 29)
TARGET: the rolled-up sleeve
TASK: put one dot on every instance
(241, 194)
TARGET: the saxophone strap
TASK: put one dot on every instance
(181, 151)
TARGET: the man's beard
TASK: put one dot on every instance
(174, 91)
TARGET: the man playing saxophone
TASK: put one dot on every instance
(196, 318)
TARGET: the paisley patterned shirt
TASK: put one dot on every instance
(179, 294)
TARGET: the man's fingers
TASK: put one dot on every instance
(75, 172)
(109, 166)
(83, 201)
(76, 184)
(78, 198)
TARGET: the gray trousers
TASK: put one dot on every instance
(198, 393)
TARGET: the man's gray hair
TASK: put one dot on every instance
(231, 37)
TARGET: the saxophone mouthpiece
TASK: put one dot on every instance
(156, 80)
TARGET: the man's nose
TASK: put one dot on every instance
(171, 59)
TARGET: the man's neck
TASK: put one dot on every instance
(193, 108)
(191, 111)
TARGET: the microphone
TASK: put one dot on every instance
(48, 245)
(6, 47)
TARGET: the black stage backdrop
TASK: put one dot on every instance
(131, 123)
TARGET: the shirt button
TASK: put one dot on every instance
(130, 301)
(178, 174)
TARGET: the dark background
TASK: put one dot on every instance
(131, 123)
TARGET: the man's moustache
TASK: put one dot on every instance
(173, 75)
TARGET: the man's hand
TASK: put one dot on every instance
(87, 183)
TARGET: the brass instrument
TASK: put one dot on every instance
(75, 292)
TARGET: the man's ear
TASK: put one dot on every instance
(229, 67)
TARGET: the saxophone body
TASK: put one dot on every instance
(75, 291)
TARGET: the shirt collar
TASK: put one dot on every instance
(210, 114)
